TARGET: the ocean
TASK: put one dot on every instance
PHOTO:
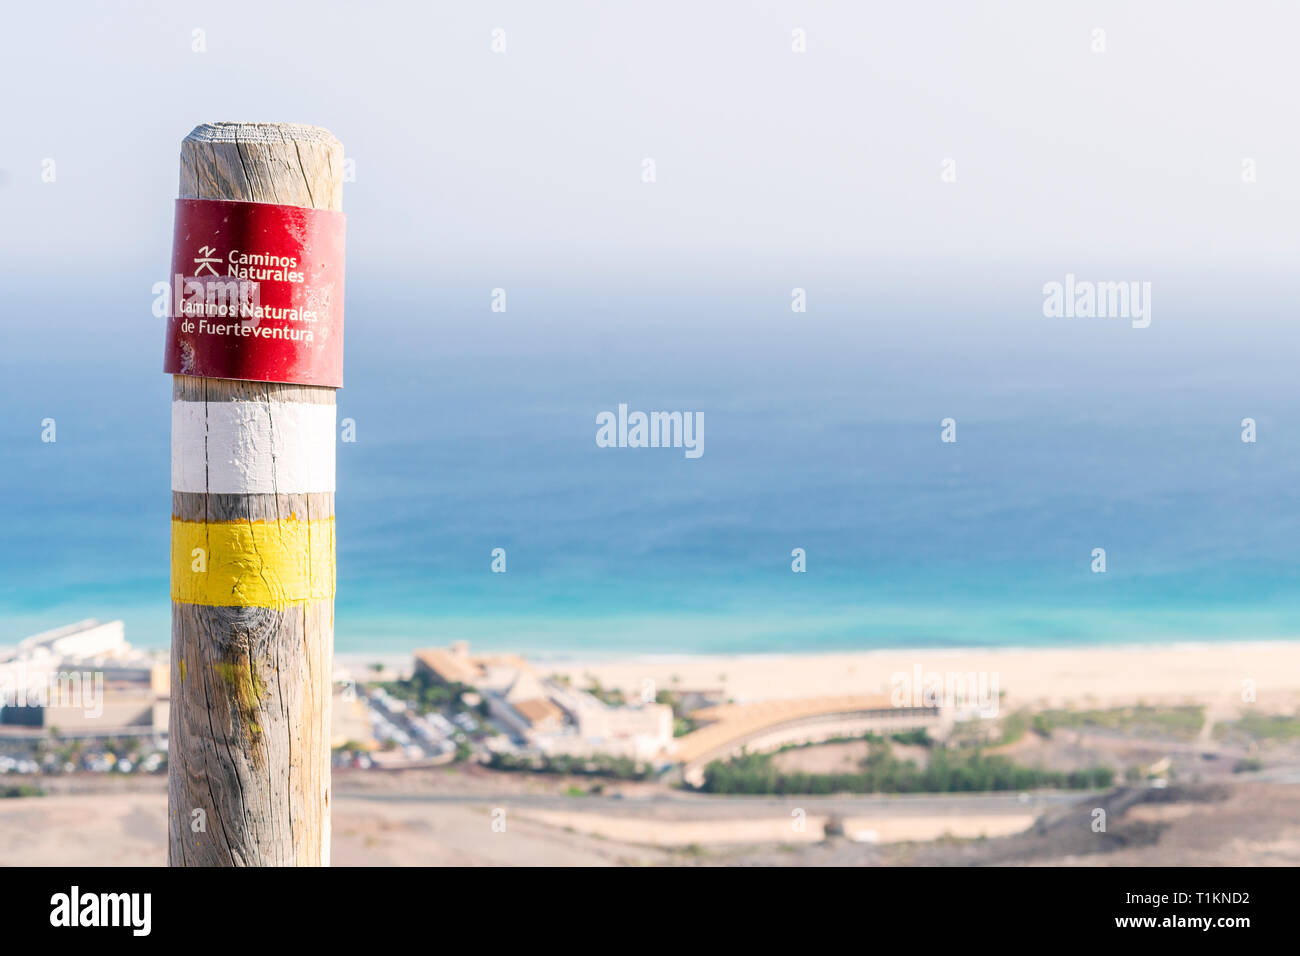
(822, 432)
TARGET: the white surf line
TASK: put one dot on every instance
(248, 451)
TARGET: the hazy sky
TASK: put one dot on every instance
(820, 170)
(528, 163)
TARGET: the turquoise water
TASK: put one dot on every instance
(823, 436)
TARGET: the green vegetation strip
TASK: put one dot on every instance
(1253, 726)
(1179, 723)
(617, 768)
(947, 771)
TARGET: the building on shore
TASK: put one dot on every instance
(449, 665)
(546, 714)
(519, 699)
(551, 717)
(83, 680)
(639, 731)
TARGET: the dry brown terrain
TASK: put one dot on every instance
(405, 824)
(844, 757)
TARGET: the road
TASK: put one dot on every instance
(707, 806)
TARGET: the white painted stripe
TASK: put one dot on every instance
(241, 448)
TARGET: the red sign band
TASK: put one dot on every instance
(256, 293)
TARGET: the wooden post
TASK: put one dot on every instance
(249, 752)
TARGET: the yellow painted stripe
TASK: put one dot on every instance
(252, 564)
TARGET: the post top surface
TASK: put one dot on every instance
(232, 132)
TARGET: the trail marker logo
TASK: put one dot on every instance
(256, 293)
(205, 260)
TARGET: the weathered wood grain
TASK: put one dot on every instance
(285, 163)
(191, 388)
(251, 686)
(250, 735)
(192, 506)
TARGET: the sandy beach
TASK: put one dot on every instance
(1210, 674)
